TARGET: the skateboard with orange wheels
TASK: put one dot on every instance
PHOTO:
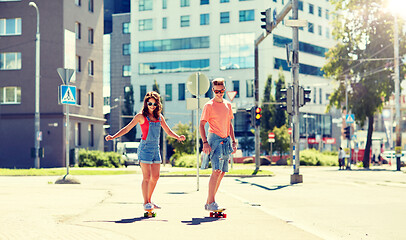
(149, 213)
(218, 213)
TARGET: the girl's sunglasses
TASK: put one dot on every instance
(218, 91)
(152, 104)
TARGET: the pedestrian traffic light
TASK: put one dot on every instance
(287, 100)
(249, 117)
(347, 132)
(304, 96)
(266, 20)
(258, 116)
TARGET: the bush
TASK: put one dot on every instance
(312, 157)
(185, 160)
(89, 158)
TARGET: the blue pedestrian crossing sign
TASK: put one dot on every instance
(349, 118)
(67, 94)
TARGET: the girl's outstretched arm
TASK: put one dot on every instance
(139, 118)
(169, 131)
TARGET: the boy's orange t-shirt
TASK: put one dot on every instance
(219, 116)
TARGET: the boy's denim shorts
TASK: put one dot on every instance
(149, 153)
(217, 163)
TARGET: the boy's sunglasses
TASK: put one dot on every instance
(152, 104)
(218, 91)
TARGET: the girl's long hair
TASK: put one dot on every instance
(158, 109)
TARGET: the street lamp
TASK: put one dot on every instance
(37, 135)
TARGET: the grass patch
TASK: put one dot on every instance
(62, 171)
(244, 172)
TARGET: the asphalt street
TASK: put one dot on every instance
(329, 204)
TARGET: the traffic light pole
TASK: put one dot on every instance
(295, 177)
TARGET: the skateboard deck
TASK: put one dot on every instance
(149, 213)
(218, 213)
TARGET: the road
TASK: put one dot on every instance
(329, 204)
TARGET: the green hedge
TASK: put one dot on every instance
(312, 157)
(89, 158)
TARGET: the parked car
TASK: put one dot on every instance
(390, 156)
(129, 151)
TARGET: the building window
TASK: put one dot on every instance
(300, 5)
(91, 6)
(143, 92)
(250, 87)
(78, 63)
(77, 30)
(174, 66)
(247, 15)
(173, 44)
(327, 32)
(310, 27)
(145, 24)
(78, 2)
(90, 67)
(224, 1)
(10, 95)
(204, 19)
(204, 2)
(327, 14)
(320, 96)
(224, 17)
(78, 97)
(320, 11)
(91, 135)
(311, 8)
(78, 139)
(145, 5)
(168, 92)
(126, 28)
(184, 3)
(181, 92)
(185, 21)
(126, 49)
(126, 71)
(10, 26)
(320, 30)
(164, 23)
(91, 99)
(10, 61)
(164, 4)
(280, 41)
(236, 87)
(314, 95)
(237, 51)
(90, 36)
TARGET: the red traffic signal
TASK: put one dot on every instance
(258, 114)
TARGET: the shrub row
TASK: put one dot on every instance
(312, 157)
(89, 158)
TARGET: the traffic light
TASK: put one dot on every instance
(258, 116)
(288, 99)
(266, 20)
(304, 96)
(347, 132)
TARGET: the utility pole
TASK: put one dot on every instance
(398, 146)
(295, 177)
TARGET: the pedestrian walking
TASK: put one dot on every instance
(151, 120)
(220, 142)
(341, 159)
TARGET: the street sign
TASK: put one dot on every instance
(271, 140)
(67, 94)
(65, 74)
(290, 131)
(271, 135)
(231, 95)
(349, 118)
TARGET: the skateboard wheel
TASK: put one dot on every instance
(145, 214)
(153, 214)
(224, 215)
(211, 214)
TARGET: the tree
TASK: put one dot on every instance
(282, 139)
(268, 113)
(189, 145)
(364, 55)
(127, 111)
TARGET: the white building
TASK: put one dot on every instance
(170, 40)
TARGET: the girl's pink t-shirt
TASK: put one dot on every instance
(219, 116)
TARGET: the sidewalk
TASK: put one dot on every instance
(110, 207)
